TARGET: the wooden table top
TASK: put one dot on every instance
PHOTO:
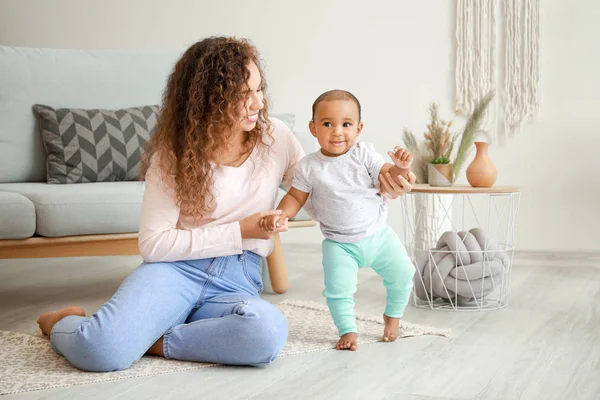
(462, 189)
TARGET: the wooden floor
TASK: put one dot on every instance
(544, 345)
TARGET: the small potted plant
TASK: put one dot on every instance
(439, 172)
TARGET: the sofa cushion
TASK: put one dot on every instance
(17, 216)
(95, 145)
(83, 209)
(108, 79)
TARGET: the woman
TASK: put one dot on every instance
(212, 169)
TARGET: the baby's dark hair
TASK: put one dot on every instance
(336, 95)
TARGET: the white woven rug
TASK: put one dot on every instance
(27, 363)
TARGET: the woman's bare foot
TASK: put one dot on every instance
(157, 348)
(349, 341)
(390, 331)
(46, 321)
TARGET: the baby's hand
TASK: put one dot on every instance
(270, 223)
(401, 157)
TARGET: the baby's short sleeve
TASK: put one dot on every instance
(301, 176)
(373, 161)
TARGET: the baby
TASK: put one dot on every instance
(342, 179)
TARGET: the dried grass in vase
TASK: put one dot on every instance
(438, 137)
(471, 128)
(438, 143)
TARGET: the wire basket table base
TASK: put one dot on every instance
(461, 241)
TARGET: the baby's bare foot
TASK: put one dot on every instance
(46, 321)
(349, 341)
(390, 331)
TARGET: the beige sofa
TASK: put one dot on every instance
(39, 219)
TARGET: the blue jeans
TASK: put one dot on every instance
(208, 310)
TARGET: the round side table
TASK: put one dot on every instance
(461, 240)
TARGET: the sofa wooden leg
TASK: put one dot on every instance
(277, 271)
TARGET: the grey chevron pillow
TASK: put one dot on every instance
(94, 145)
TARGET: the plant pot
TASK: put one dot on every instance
(439, 174)
(482, 171)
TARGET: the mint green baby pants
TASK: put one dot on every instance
(387, 256)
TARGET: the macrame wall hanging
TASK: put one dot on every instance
(483, 29)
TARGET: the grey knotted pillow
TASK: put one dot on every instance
(94, 145)
(463, 266)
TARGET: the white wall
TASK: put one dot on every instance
(397, 57)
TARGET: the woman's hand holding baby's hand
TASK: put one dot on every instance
(401, 157)
(392, 190)
(394, 186)
(274, 223)
(251, 227)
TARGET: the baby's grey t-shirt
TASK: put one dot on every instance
(343, 192)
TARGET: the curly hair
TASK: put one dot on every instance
(199, 111)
